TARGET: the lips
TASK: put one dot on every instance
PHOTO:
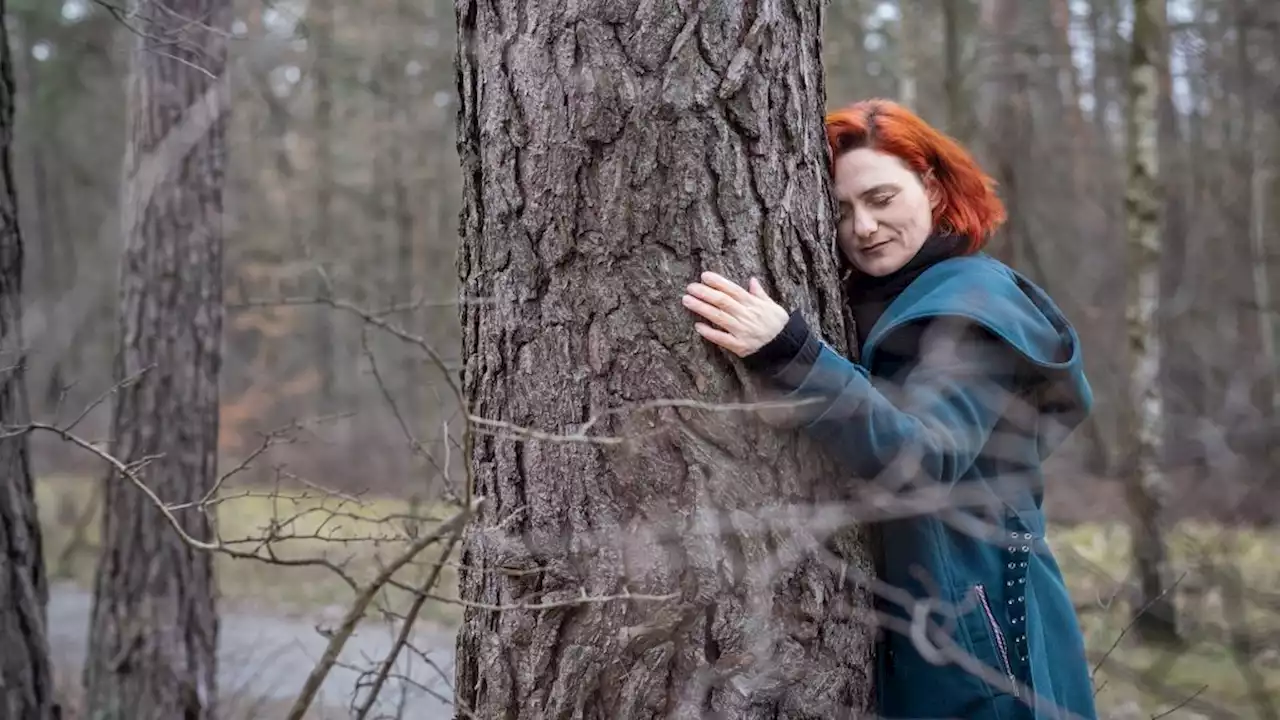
(869, 248)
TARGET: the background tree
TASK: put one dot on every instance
(154, 628)
(26, 681)
(1153, 606)
(602, 171)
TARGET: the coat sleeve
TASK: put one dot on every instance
(930, 425)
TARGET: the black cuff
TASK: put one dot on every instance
(795, 346)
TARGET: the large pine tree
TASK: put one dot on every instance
(611, 152)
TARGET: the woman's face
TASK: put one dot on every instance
(886, 212)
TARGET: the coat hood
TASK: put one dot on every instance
(1011, 307)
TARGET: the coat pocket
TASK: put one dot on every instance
(995, 636)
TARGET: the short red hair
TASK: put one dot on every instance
(969, 204)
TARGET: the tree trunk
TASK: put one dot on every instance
(26, 683)
(1262, 288)
(959, 102)
(607, 160)
(1154, 610)
(845, 54)
(154, 625)
(909, 40)
(320, 247)
(1009, 141)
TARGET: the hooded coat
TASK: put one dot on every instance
(969, 379)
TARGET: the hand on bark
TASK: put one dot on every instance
(745, 321)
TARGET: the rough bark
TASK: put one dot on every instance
(611, 152)
(154, 625)
(26, 683)
(1153, 606)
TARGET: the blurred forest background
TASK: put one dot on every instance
(343, 166)
(343, 194)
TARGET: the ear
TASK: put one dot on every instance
(933, 189)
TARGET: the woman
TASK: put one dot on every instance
(969, 377)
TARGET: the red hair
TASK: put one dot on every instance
(969, 205)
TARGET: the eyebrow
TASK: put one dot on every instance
(882, 187)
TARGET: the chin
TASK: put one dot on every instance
(881, 265)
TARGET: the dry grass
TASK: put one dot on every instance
(356, 533)
(1228, 590)
(1133, 681)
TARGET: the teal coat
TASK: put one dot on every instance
(967, 382)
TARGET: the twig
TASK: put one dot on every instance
(414, 444)
(1180, 705)
(406, 627)
(1132, 621)
(356, 611)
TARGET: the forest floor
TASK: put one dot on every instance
(271, 613)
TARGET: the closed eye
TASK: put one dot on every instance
(880, 195)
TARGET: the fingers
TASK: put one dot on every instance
(721, 338)
(717, 298)
(742, 319)
(725, 285)
(724, 319)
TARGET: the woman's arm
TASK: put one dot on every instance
(958, 382)
(955, 388)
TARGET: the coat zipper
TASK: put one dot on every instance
(999, 635)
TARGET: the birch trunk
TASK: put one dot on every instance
(1153, 606)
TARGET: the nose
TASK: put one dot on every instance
(864, 226)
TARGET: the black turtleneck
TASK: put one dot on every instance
(795, 349)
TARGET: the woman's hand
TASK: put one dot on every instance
(745, 321)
